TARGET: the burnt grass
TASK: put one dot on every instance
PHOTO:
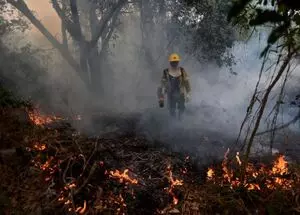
(86, 160)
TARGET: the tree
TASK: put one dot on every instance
(15, 23)
(18, 68)
(192, 28)
(204, 25)
(70, 17)
(283, 18)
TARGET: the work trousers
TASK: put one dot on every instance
(176, 101)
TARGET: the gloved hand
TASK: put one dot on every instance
(161, 102)
(188, 98)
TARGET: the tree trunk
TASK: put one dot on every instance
(94, 59)
(116, 9)
(147, 29)
(64, 32)
(83, 45)
(98, 54)
(262, 108)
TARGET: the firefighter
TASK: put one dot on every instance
(176, 85)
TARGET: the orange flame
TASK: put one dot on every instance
(70, 186)
(173, 183)
(227, 174)
(280, 166)
(279, 169)
(46, 165)
(123, 177)
(39, 147)
(40, 119)
(81, 210)
(210, 173)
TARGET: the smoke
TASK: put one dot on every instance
(213, 117)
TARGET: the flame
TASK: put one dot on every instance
(184, 170)
(60, 199)
(40, 119)
(227, 174)
(122, 201)
(81, 210)
(280, 168)
(238, 158)
(46, 165)
(252, 186)
(68, 202)
(210, 173)
(39, 147)
(123, 177)
(70, 186)
(273, 175)
(173, 183)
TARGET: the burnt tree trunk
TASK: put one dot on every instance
(83, 45)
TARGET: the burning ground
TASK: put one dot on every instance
(49, 167)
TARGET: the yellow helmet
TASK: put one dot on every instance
(174, 57)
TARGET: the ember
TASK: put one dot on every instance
(40, 119)
(43, 166)
(173, 183)
(70, 186)
(210, 174)
(123, 177)
(39, 147)
(274, 177)
(81, 210)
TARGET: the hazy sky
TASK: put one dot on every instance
(46, 14)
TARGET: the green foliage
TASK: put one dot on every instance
(13, 23)
(264, 16)
(283, 16)
(209, 33)
(237, 8)
(276, 33)
(23, 71)
(8, 99)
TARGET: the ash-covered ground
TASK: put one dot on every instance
(195, 135)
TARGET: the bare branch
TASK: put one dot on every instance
(115, 9)
(69, 25)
